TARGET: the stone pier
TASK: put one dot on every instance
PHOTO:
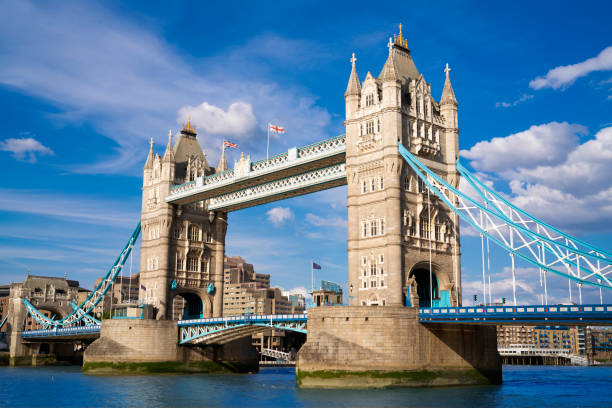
(373, 347)
(135, 346)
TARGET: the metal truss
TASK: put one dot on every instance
(281, 186)
(279, 355)
(4, 320)
(81, 313)
(519, 233)
(66, 332)
(225, 329)
(87, 319)
(293, 157)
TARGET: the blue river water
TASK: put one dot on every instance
(524, 386)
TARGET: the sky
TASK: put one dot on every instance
(84, 86)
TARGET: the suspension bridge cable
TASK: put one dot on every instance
(529, 238)
(429, 232)
(484, 285)
(456, 262)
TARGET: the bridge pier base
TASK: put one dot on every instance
(373, 347)
(133, 345)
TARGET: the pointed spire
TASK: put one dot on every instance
(149, 162)
(169, 153)
(448, 95)
(188, 128)
(389, 71)
(353, 87)
(222, 161)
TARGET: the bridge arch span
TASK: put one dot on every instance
(440, 288)
(190, 304)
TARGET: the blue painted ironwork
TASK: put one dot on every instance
(4, 320)
(85, 308)
(210, 289)
(88, 319)
(517, 236)
(62, 332)
(532, 314)
(219, 329)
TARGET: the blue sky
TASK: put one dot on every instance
(83, 87)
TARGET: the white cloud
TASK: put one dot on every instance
(238, 120)
(278, 215)
(524, 97)
(300, 290)
(539, 145)
(564, 76)
(79, 209)
(128, 83)
(25, 149)
(335, 222)
(569, 187)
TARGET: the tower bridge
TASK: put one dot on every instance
(399, 158)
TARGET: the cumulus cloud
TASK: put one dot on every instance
(564, 76)
(300, 290)
(279, 215)
(568, 186)
(238, 120)
(524, 97)
(25, 149)
(128, 82)
(318, 221)
(543, 144)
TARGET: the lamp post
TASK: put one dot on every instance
(351, 295)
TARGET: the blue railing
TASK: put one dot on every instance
(540, 314)
(245, 319)
(62, 332)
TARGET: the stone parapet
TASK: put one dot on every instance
(387, 346)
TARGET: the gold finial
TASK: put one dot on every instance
(151, 142)
(188, 127)
(399, 38)
(241, 156)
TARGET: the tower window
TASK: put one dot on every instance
(192, 264)
(194, 233)
(179, 264)
(372, 184)
(373, 228)
(369, 100)
(373, 269)
(406, 183)
(381, 258)
(382, 226)
(382, 183)
(424, 228)
(369, 127)
(365, 230)
(365, 187)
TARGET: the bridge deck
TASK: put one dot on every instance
(64, 333)
(298, 171)
(540, 315)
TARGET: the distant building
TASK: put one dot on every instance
(598, 344)
(538, 344)
(329, 294)
(124, 291)
(246, 292)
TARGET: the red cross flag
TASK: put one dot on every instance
(277, 129)
(230, 144)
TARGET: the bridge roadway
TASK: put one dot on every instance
(298, 171)
(541, 315)
(223, 330)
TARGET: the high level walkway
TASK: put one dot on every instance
(298, 171)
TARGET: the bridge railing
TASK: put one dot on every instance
(245, 318)
(537, 313)
(327, 147)
(62, 331)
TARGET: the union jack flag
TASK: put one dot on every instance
(277, 129)
(230, 144)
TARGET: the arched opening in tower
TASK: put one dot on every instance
(187, 306)
(424, 289)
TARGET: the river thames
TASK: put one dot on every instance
(524, 386)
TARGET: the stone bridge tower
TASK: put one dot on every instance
(181, 261)
(394, 227)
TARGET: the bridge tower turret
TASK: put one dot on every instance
(181, 263)
(392, 222)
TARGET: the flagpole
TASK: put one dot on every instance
(268, 145)
(312, 279)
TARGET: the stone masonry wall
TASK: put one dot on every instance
(390, 339)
